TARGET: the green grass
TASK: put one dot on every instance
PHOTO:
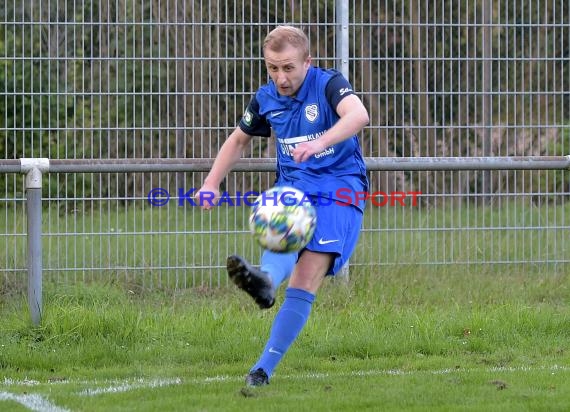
(400, 338)
(462, 334)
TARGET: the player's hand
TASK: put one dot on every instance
(207, 197)
(305, 150)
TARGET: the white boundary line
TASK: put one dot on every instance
(394, 372)
(129, 386)
(36, 402)
(116, 385)
(32, 401)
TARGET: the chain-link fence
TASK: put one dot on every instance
(166, 79)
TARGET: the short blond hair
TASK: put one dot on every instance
(281, 36)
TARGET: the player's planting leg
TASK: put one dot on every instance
(257, 377)
(255, 282)
(288, 323)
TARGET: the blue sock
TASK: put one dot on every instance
(287, 325)
(278, 265)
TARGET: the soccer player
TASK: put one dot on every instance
(314, 115)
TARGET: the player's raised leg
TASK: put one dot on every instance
(252, 280)
(279, 266)
(262, 283)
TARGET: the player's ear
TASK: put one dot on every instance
(308, 61)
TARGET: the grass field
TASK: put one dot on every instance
(437, 339)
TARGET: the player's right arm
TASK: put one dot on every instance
(251, 124)
(227, 157)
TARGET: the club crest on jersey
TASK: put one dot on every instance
(312, 112)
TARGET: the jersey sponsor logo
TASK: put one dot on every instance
(301, 139)
(247, 117)
(275, 114)
(326, 152)
(344, 91)
(311, 112)
(287, 144)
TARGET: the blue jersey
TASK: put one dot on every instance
(337, 172)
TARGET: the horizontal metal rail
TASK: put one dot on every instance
(155, 165)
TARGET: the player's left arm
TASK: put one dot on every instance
(353, 117)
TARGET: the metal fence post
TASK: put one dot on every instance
(33, 184)
(342, 58)
(487, 103)
(342, 49)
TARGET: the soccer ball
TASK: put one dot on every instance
(282, 219)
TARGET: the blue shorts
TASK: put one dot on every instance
(337, 231)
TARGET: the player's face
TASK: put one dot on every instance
(287, 69)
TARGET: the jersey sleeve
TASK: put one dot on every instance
(337, 89)
(252, 122)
